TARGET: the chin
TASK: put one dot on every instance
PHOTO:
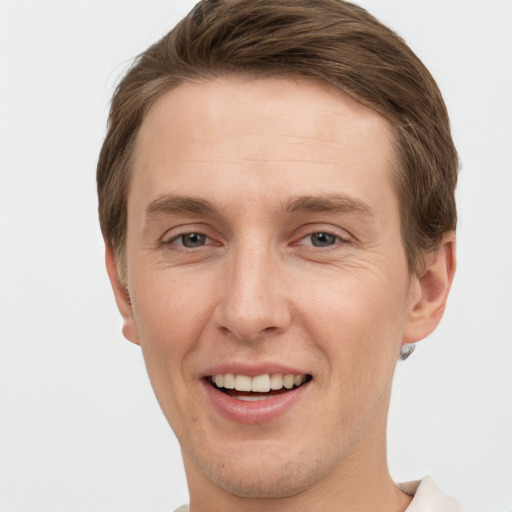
(288, 481)
(266, 474)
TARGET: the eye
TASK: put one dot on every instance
(320, 239)
(190, 240)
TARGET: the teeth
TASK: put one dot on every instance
(229, 381)
(276, 381)
(260, 384)
(288, 381)
(249, 398)
(243, 383)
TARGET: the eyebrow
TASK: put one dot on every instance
(169, 204)
(331, 203)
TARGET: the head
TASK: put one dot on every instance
(331, 41)
(225, 62)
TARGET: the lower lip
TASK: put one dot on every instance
(260, 411)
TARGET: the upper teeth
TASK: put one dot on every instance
(260, 383)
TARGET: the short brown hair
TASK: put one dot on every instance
(332, 41)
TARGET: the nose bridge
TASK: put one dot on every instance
(252, 302)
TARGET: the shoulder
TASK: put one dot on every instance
(429, 498)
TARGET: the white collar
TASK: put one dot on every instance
(428, 497)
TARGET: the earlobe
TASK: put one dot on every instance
(429, 292)
(122, 297)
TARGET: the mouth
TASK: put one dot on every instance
(260, 387)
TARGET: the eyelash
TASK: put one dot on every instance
(171, 241)
(337, 240)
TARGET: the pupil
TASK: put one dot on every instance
(322, 239)
(193, 240)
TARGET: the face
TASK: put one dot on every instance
(267, 279)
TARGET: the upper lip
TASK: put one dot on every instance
(251, 369)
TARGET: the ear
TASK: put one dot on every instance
(429, 292)
(122, 296)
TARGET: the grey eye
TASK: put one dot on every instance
(322, 239)
(192, 240)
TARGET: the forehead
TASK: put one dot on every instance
(268, 135)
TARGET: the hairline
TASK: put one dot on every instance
(168, 84)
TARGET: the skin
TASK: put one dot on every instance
(257, 288)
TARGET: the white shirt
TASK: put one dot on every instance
(427, 498)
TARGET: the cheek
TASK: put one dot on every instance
(356, 328)
(170, 312)
(170, 316)
(357, 322)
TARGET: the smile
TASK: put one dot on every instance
(258, 387)
(259, 399)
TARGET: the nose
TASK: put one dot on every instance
(254, 298)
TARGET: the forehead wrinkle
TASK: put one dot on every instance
(238, 161)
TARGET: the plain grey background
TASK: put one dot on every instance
(80, 429)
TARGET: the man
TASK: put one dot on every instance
(276, 195)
